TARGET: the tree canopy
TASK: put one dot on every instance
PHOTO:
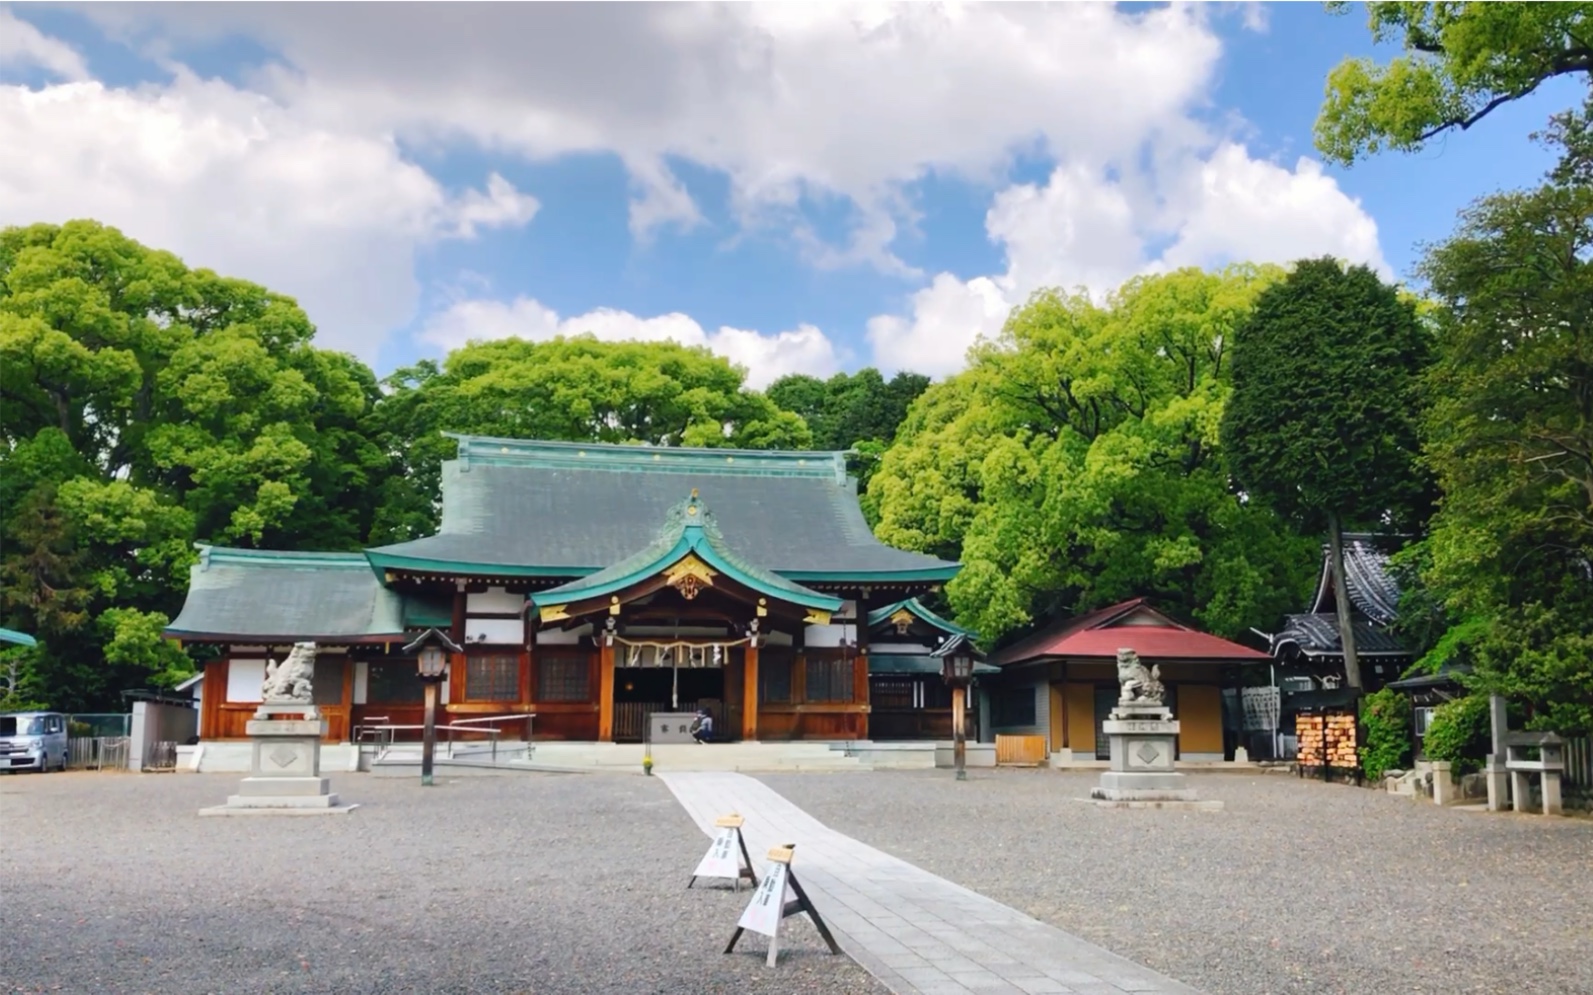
(1509, 433)
(858, 411)
(1461, 61)
(575, 389)
(144, 405)
(1077, 463)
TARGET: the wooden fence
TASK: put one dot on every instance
(1579, 762)
(97, 752)
(1020, 751)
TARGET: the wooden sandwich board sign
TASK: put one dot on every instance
(727, 856)
(769, 906)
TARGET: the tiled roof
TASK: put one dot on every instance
(566, 509)
(1129, 625)
(1367, 579)
(688, 528)
(20, 638)
(286, 597)
(1318, 635)
(916, 663)
(880, 616)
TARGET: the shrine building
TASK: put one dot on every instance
(591, 585)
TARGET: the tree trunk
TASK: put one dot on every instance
(1341, 600)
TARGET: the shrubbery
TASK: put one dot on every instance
(1459, 733)
(1386, 716)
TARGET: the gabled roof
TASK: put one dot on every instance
(688, 530)
(514, 507)
(1129, 625)
(914, 607)
(1318, 635)
(270, 596)
(1367, 579)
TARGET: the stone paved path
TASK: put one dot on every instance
(918, 933)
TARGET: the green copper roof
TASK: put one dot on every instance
(560, 509)
(20, 638)
(282, 597)
(880, 616)
(915, 663)
(689, 529)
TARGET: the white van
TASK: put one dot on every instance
(32, 741)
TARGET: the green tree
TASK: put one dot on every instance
(577, 389)
(1322, 425)
(144, 405)
(858, 412)
(1076, 463)
(1461, 61)
(1386, 716)
(1509, 434)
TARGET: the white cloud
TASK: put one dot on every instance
(233, 181)
(1084, 230)
(804, 349)
(789, 101)
(24, 46)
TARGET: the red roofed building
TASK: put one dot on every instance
(1061, 681)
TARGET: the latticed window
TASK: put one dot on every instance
(829, 678)
(326, 686)
(774, 674)
(893, 692)
(494, 677)
(563, 675)
(394, 683)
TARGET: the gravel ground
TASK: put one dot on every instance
(1296, 887)
(546, 884)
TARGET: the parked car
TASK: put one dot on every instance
(32, 741)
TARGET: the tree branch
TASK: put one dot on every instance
(1566, 64)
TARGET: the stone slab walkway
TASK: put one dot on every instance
(918, 933)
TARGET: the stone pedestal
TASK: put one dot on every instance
(285, 768)
(1143, 742)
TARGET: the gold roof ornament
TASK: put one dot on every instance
(689, 576)
(903, 620)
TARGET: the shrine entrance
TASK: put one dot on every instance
(648, 680)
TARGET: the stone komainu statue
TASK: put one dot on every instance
(1138, 685)
(290, 679)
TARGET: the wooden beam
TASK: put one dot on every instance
(605, 694)
(749, 696)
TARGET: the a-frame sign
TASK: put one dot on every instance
(727, 856)
(769, 906)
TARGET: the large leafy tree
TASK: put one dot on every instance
(858, 411)
(1461, 61)
(1322, 424)
(144, 405)
(577, 389)
(1509, 433)
(1077, 463)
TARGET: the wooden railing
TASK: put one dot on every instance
(1020, 751)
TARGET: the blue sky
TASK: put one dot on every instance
(803, 189)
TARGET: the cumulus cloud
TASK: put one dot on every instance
(232, 180)
(23, 46)
(1084, 230)
(791, 102)
(766, 357)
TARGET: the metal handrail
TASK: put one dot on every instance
(467, 725)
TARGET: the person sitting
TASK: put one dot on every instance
(702, 727)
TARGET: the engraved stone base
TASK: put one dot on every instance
(1144, 740)
(285, 768)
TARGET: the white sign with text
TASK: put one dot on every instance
(767, 907)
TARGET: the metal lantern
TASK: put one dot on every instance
(431, 650)
(433, 662)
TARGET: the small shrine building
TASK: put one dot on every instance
(591, 585)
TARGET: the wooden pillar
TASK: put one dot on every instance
(860, 685)
(605, 694)
(749, 695)
(456, 632)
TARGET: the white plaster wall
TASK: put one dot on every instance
(561, 637)
(506, 631)
(493, 601)
(244, 678)
(825, 636)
